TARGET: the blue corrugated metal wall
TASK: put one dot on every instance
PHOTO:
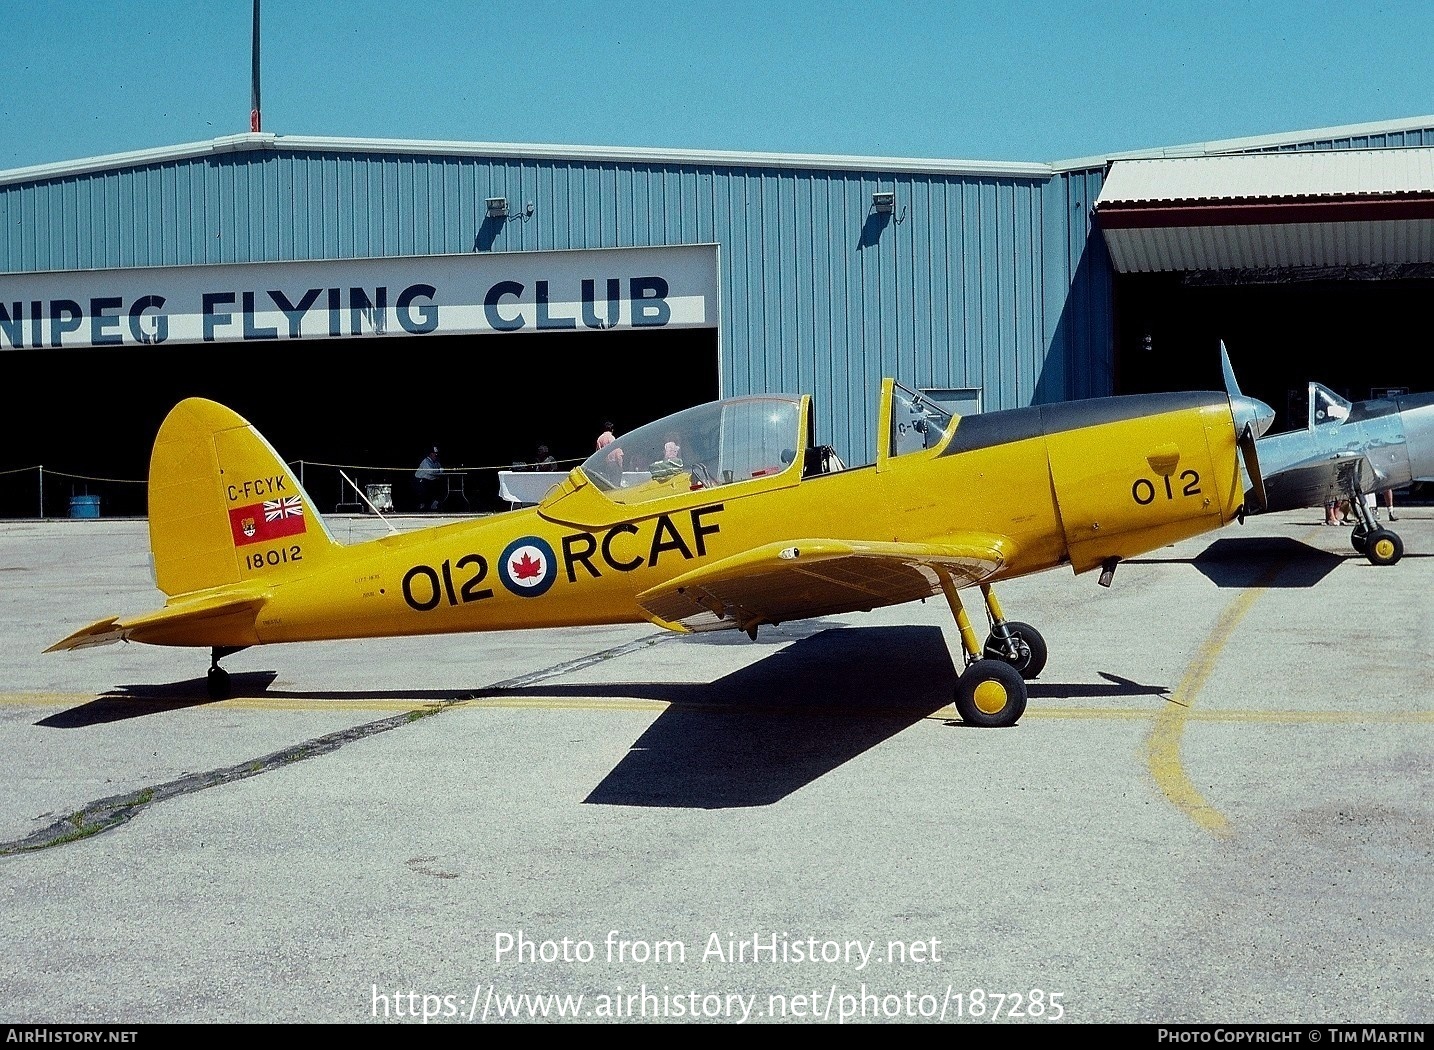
(981, 281)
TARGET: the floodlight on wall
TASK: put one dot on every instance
(883, 202)
(497, 207)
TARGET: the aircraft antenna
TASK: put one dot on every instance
(364, 496)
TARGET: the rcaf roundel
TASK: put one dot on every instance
(528, 567)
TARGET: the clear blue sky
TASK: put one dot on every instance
(992, 81)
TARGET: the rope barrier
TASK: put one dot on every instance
(89, 477)
(296, 463)
(446, 470)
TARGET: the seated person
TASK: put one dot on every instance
(671, 462)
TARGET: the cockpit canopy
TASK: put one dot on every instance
(1326, 407)
(719, 443)
(745, 438)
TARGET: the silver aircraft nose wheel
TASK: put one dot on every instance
(1383, 547)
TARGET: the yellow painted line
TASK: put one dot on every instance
(1285, 717)
(294, 703)
(45, 699)
(538, 703)
(66, 700)
(943, 714)
(1162, 746)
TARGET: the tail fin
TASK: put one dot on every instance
(223, 507)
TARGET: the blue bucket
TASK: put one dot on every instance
(84, 506)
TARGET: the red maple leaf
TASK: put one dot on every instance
(525, 568)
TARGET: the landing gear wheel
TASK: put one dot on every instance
(218, 683)
(1359, 539)
(1031, 658)
(990, 693)
(1384, 547)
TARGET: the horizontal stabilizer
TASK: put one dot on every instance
(101, 632)
(217, 619)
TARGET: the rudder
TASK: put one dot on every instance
(223, 507)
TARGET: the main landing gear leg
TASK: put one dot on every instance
(990, 691)
(1019, 644)
(218, 679)
(1381, 546)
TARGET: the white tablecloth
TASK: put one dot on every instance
(528, 486)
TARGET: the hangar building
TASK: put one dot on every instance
(361, 300)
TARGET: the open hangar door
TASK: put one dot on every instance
(1308, 266)
(89, 416)
(1360, 337)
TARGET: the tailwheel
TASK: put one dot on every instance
(218, 683)
(1024, 648)
(218, 679)
(990, 693)
(1384, 547)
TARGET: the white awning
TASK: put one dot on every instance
(1330, 208)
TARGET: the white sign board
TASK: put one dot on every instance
(601, 289)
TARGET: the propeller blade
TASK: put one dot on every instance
(1252, 467)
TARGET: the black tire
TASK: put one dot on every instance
(1032, 660)
(217, 682)
(1385, 547)
(1359, 539)
(991, 693)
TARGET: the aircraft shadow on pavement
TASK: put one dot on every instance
(135, 701)
(755, 736)
(1092, 691)
(1246, 561)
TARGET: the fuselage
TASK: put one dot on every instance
(1076, 483)
(1386, 443)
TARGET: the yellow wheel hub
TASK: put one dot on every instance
(1384, 548)
(990, 698)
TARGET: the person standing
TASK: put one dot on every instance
(606, 438)
(1388, 499)
(425, 480)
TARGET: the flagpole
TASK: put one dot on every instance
(254, 121)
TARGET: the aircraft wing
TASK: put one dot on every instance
(799, 579)
(175, 624)
(1316, 481)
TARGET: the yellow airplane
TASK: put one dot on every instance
(726, 515)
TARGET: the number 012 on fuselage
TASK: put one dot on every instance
(726, 515)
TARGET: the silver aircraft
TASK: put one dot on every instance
(1346, 451)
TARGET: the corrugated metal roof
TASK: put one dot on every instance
(265, 141)
(1381, 134)
(1270, 176)
(1312, 209)
(1386, 134)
